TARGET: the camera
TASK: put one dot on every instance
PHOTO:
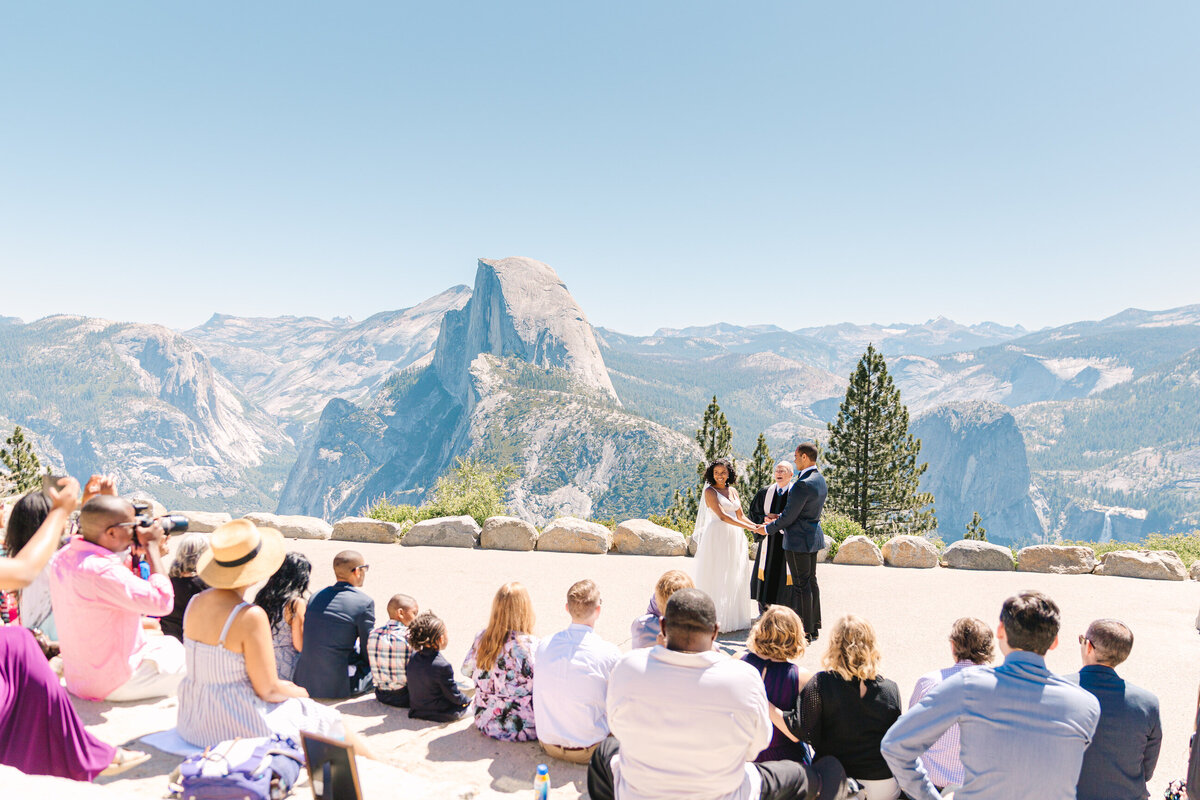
(171, 523)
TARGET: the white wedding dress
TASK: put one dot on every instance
(722, 566)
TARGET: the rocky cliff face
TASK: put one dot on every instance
(144, 403)
(977, 462)
(516, 378)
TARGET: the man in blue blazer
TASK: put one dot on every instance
(800, 525)
(1122, 756)
(333, 663)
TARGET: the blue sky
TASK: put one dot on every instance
(677, 163)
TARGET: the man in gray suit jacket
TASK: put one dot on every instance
(800, 524)
(1123, 754)
(337, 618)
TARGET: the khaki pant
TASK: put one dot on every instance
(580, 755)
(158, 675)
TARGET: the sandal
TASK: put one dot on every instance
(124, 760)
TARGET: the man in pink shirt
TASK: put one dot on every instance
(99, 603)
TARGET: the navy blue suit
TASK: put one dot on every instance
(338, 616)
(800, 523)
(1124, 751)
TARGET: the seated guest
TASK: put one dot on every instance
(99, 603)
(232, 689)
(40, 733)
(1022, 730)
(687, 719)
(645, 629)
(433, 693)
(283, 599)
(1122, 756)
(333, 663)
(184, 581)
(776, 641)
(36, 609)
(971, 643)
(388, 651)
(571, 680)
(500, 662)
(845, 710)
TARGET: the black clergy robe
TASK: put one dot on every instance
(769, 583)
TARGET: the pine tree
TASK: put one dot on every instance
(975, 530)
(872, 471)
(761, 470)
(24, 468)
(715, 438)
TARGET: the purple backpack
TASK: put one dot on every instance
(242, 769)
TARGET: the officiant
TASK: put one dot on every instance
(770, 582)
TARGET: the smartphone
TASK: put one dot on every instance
(51, 482)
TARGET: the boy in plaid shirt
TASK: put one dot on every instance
(388, 652)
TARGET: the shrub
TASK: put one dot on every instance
(684, 526)
(471, 489)
(1184, 545)
(839, 527)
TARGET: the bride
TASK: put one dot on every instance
(722, 566)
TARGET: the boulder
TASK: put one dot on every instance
(641, 537)
(966, 554)
(1194, 571)
(293, 526)
(157, 509)
(574, 535)
(444, 532)
(910, 551)
(365, 529)
(507, 533)
(823, 553)
(859, 550)
(205, 521)
(1161, 565)
(1058, 559)
(693, 544)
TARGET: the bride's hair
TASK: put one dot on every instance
(721, 462)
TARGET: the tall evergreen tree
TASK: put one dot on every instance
(761, 470)
(975, 530)
(872, 470)
(715, 438)
(24, 468)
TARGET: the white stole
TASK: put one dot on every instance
(768, 499)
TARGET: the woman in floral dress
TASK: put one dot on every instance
(501, 664)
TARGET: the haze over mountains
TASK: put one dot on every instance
(1083, 431)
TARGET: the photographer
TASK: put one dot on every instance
(99, 604)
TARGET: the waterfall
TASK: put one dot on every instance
(1106, 531)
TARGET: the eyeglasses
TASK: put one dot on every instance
(1083, 638)
(363, 567)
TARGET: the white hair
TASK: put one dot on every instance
(787, 464)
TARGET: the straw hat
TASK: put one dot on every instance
(240, 554)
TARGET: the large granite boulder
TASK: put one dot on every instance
(693, 544)
(365, 529)
(1058, 559)
(157, 509)
(574, 535)
(205, 521)
(293, 526)
(910, 551)
(507, 533)
(641, 537)
(1194, 570)
(1162, 565)
(966, 554)
(823, 553)
(444, 532)
(859, 550)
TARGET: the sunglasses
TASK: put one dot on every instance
(363, 567)
(1083, 639)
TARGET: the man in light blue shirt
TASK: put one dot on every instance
(1023, 730)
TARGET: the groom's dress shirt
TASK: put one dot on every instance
(1023, 732)
(688, 723)
(570, 683)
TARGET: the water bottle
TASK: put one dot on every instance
(541, 783)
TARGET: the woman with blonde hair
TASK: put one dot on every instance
(776, 642)
(501, 664)
(847, 708)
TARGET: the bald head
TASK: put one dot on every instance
(345, 565)
(102, 512)
(398, 602)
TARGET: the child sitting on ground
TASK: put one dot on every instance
(645, 629)
(433, 693)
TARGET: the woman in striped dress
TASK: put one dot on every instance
(232, 689)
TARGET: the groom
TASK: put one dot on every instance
(800, 523)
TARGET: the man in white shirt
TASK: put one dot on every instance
(571, 680)
(687, 720)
